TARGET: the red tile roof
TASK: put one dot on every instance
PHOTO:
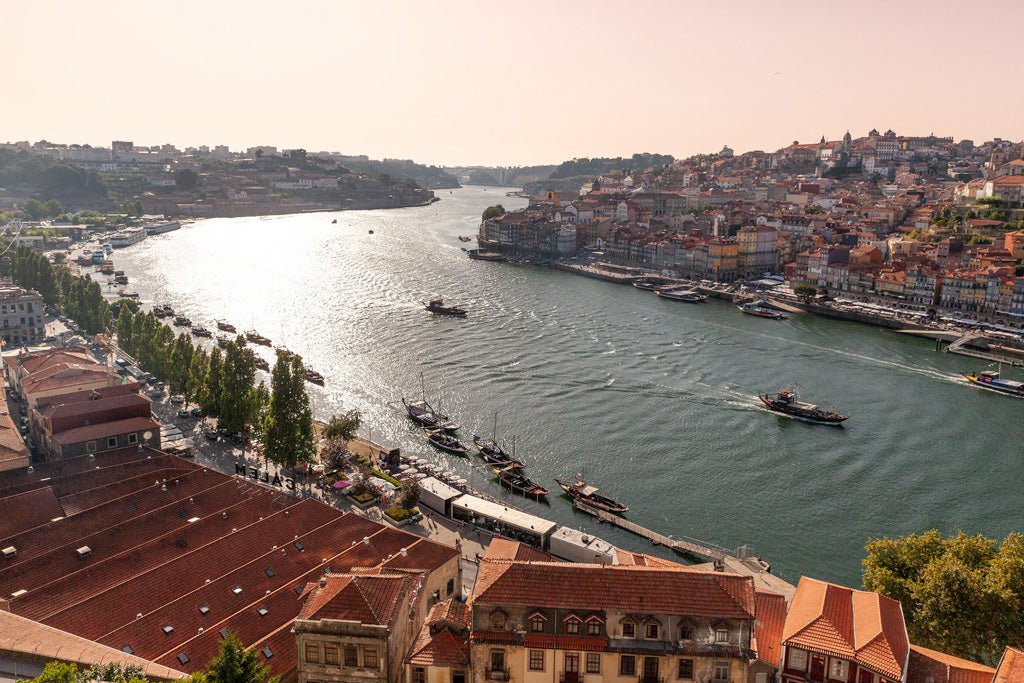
(443, 640)
(931, 666)
(1011, 666)
(768, 624)
(27, 510)
(856, 625)
(373, 599)
(105, 429)
(601, 587)
(505, 549)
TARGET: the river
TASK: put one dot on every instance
(653, 399)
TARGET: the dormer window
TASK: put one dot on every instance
(651, 631)
(628, 629)
(537, 621)
(572, 625)
(499, 620)
(594, 626)
(721, 634)
(685, 633)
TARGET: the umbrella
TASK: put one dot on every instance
(418, 475)
(460, 481)
(340, 484)
(422, 461)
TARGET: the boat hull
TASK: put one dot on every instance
(994, 388)
(598, 502)
(803, 416)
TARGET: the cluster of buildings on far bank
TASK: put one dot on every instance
(917, 222)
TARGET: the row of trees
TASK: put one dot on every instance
(223, 384)
(78, 296)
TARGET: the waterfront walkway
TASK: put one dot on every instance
(683, 545)
(960, 347)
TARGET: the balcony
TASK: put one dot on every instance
(497, 674)
(570, 677)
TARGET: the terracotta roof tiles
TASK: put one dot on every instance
(930, 666)
(769, 622)
(1011, 666)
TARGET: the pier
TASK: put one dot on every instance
(686, 546)
(962, 347)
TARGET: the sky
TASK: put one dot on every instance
(502, 83)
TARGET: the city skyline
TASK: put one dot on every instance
(458, 84)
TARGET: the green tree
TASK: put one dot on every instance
(289, 437)
(961, 594)
(58, 672)
(210, 398)
(186, 179)
(343, 426)
(238, 377)
(493, 211)
(234, 664)
(805, 292)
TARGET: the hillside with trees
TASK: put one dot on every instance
(570, 175)
(44, 178)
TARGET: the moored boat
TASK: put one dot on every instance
(786, 402)
(423, 413)
(222, 340)
(200, 331)
(646, 283)
(224, 326)
(584, 493)
(992, 381)
(493, 454)
(481, 255)
(690, 296)
(314, 377)
(517, 482)
(182, 321)
(437, 306)
(446, 442)
(261, 363)
(760, 309)
(257, 338)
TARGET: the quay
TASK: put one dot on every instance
(608, 272)
(966, 346)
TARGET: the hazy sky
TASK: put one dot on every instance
(507, 83)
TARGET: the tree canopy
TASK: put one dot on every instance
(234, 664)
(289, 437)
(186, 179)
(961, 594)
(113, 672)
(493, 211)
(343, 426)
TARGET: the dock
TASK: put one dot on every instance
(961, 347)
(686, 546)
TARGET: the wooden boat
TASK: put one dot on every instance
(761, 310)
(314, 377)
(222, 340)
(163, 311)
(445, 441)
(225, 326)
(646, 283)
(481, 255)
(257, 338)
(580, 491)
(423, 413)
(517, 482)
(786, 402)
(200, 331)
(493, 454)
(182, 321)
(690, 296)
(437, 307)
(261, 363)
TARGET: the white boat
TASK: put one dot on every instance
(127, 237)
(160, 228)
(991, 381)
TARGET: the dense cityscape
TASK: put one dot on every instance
(501, 364)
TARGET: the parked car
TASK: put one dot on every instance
(177, 399)
(184, 413)
(211, 434)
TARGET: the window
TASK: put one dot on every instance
(419, 675)
(331, 654)
(351, 655)
(536, 660)
(458, 677)
(627, 665)
(721, 671)
(313, 653)
(797, 660)
(497, 660)
(537, 623)
(721, 635)
(370, 657)
(204, 609)
(572, 663)
(183, 658)
(838, 668)
(451, 587)
(90, 446)
(112, 442)
(133, 438)
(685, 633)
(628, 629)
(593, 627)
(652, 631)
(866, 676)
(572, 626)
(685, 669)
(593, 662)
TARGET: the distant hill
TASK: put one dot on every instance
(42, 177)
(430, 177)
(568, 176)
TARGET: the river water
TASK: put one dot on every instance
(654, 400)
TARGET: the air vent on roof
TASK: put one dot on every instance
(298, 546)
(167, 629)
(237, 590)
(193, 520)
(181, 543)
(10, 552)
(405, 552)
(269, 572)
(366, 540)
(128, 649)
(183, 658)
(18, 593)
(204, 609)
(201, 630)
(84, 551)
(298, 590)
(262, 611)
(267, 652)
(223, 633)
(164, 487)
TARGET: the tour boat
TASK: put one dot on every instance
(257, 338)
(480, 255)
(786, 402)
(182, 321)
(646, 283)
(582, 492)
(225, 326)
(493, 454)
(222, 340)
(437, 306)
(160, 228)
(517, 482)
(990, 380)
(200, 331)
(423, 413)
(261, 363)
(690, 296)
(446, 442)
(760, 309)
(314, 377)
